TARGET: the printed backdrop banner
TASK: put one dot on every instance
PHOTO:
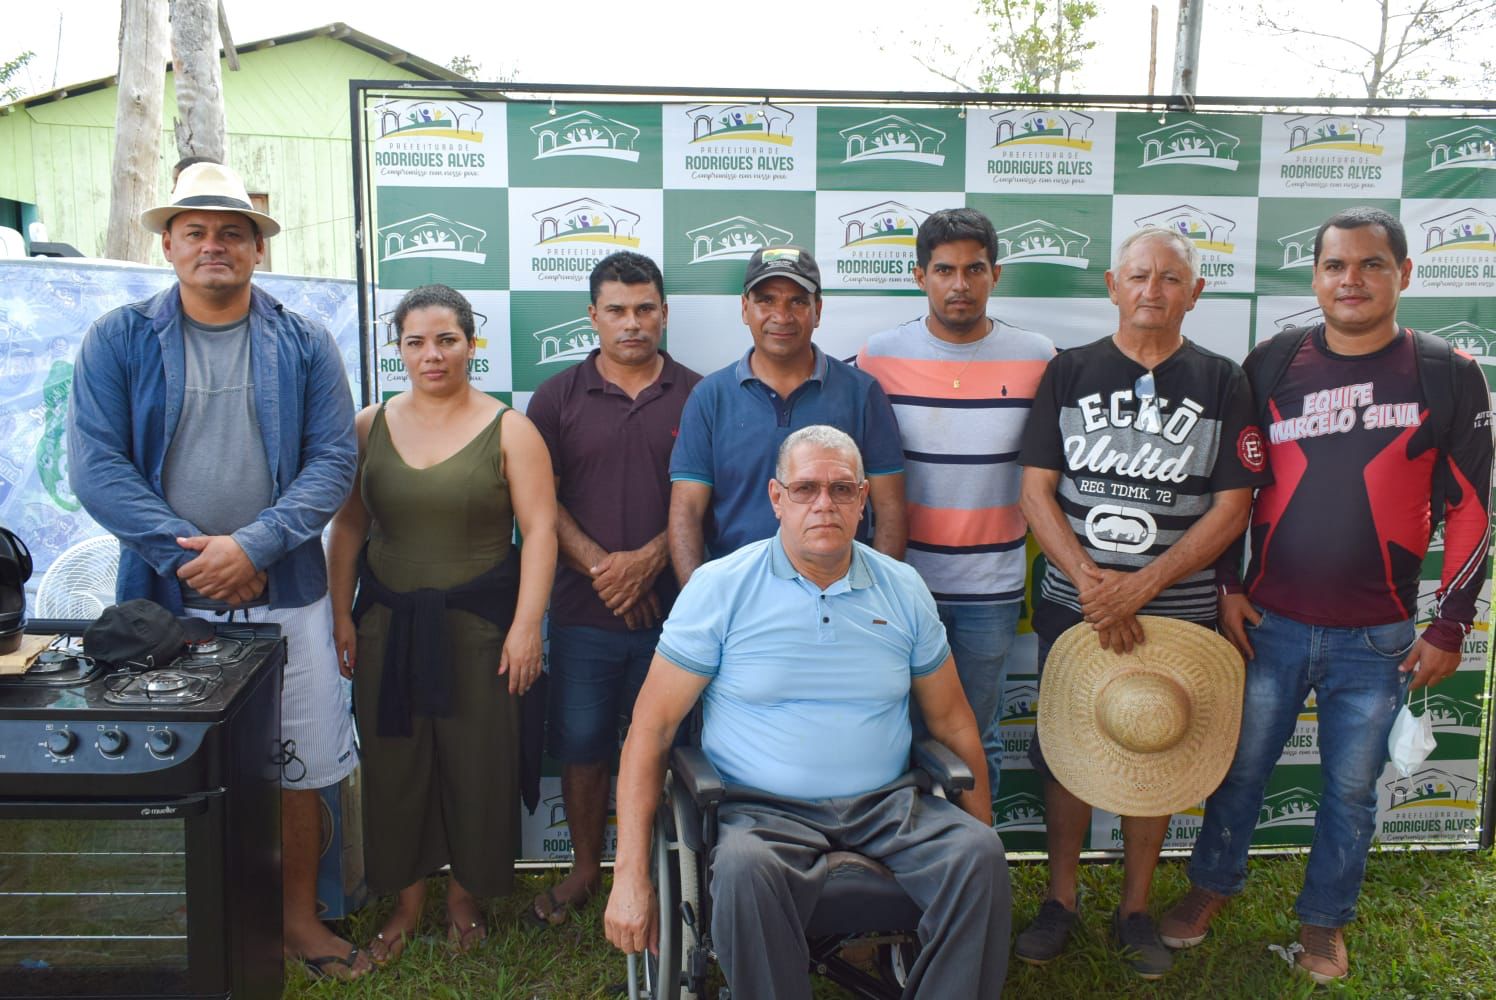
(514, 202)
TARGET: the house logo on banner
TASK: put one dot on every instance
(566, 342)
(1287, 808)
(894, 137)
(1227, 256)
(1039, 241)
(434, 118)
(587, 222)
(734, 239)
(1190, 142)
(1458, 248)
(585, 133)
(1021, 812)
(1298, 249)
(569, 230)
(431, 236)
(1473, 147)
(1331, 156)
(866, 240)
(1433, 803)
(724, 145)
(437, 141)
(1474, 340)
(1022, 149)
(1016, 725)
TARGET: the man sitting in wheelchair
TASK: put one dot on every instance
(806, 647)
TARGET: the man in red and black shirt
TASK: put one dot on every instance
(1372, 431)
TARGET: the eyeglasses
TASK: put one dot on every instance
(1146, 390)
(807, 490)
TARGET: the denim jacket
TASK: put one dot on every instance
(128, 389)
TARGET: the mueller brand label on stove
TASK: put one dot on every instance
(158, 811)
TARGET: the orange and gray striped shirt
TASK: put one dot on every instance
(961, 410)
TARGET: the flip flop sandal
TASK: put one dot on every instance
(392, 949)
(317, 968)
(557, 912)
(465, 939)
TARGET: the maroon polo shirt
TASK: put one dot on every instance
(612, 457)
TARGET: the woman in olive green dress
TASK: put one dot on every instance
(445, 634)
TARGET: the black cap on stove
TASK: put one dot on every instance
(138, 633)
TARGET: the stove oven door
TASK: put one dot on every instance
(121, 899)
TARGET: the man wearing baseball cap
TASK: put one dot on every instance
(211, 431)
(736, 419)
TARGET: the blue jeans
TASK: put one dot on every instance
(595, 674)
(980, 636)
(1358, 689)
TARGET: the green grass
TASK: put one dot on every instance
(1426, 929)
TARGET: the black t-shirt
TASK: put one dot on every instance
(1136, 473)
(1340, 537)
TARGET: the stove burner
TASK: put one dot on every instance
(216, 651)
(163, 681)
(163, 687)
(211, 644)
(52, 661)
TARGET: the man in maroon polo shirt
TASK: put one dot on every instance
(610, 423)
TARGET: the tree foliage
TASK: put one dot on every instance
(1029, 47)
(8, 69)
(469, 68)
(1395, 48)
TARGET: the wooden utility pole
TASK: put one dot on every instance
(137, 128)
(200, 125)
(1153, 53)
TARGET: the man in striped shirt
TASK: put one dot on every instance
(961, 385)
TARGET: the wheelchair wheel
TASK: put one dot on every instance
(672, 868)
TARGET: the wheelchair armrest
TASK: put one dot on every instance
(943, 766)
(697, 776)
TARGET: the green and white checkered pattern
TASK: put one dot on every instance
(514, 202)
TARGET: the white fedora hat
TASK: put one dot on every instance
(207, 187)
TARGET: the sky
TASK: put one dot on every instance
(865, 45)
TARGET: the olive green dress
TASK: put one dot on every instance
(448, 793)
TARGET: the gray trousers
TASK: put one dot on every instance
(769, 867)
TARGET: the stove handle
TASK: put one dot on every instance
(192, 805)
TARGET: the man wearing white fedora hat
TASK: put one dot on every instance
(1140, 457)
(211, 431)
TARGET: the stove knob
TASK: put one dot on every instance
(112, 742)
(161, 741)
(61, 742)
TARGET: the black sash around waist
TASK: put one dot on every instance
(417, 677)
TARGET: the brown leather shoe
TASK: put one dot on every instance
(1324, 955)
(1188, 921)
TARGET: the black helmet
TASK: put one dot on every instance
(15, 570)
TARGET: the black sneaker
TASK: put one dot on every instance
(1140, 945)
(1044, 939)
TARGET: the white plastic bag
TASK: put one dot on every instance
(1411, 739)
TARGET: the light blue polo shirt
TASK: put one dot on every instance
(733, 425)
(809, 696)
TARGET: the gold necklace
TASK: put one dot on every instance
(971, 355)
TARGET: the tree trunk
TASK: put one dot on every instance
(137, 128)
(200, 126)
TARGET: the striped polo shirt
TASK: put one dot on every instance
(961, 410)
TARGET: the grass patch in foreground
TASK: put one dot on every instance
(1426, 929)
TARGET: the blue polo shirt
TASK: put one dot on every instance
(733, 425)
(809, 696)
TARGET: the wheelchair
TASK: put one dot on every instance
(861, 905)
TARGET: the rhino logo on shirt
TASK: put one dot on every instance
(1113, 528)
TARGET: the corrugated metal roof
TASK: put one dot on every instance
(391, 54)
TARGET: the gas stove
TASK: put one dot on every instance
(140, 821)
(70, 721)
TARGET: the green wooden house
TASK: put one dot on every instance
(287, 111)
